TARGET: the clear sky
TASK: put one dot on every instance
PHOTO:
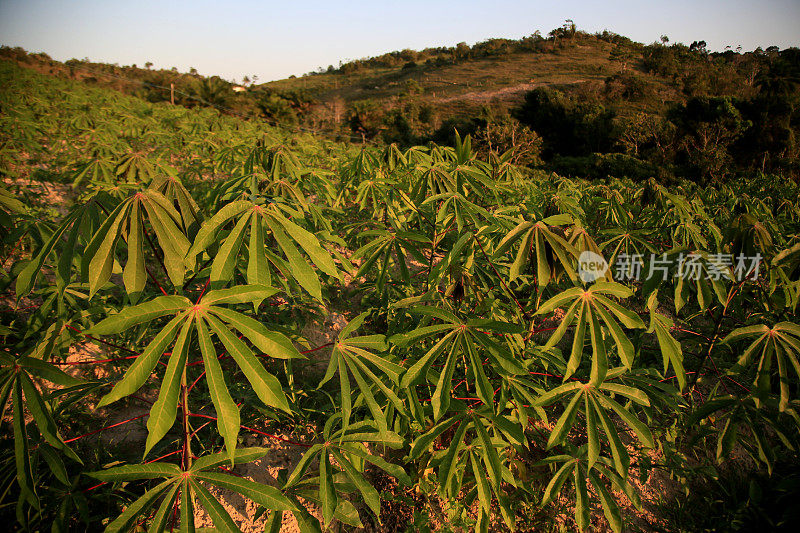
(275, 39)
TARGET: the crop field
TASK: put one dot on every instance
(214, 324)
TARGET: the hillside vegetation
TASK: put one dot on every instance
(209, 321)
(583, 105)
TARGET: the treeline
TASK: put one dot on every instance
(449, 55)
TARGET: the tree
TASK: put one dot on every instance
(213, 91)
(365, 118)
(569, 28)
(461, 52)
(699, 47)
(567, 127)
(707, 127)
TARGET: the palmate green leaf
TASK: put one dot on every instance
(551, 251)
(186, 508)
(327, 492)
(266, 386)
(286, 234)
(596, 406)
(139, 314)
(26, 279)
(271, 343)
(462, 340)
(189, 485)
(367, 491)
(99, 255)
(470, 444)
(591, 309)
(575, 467)
(225, 261)
(139, 507)
(781, 343)
(341, 456)
(164, 512)
(41, 415)
(219, 516)
(671, 350)
(135, 472)
(142, 367)
(21, 448)
(242, 455)
(275, 344)
(228, 419)
(165, 408)
(389, 247)
(127, 222)
(265, 495)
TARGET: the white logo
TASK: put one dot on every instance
(591, 266)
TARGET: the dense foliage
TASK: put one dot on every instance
(479, 373)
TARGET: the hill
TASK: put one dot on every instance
(589, 105)
(465, 84)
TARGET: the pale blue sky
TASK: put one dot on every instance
(275, 39)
